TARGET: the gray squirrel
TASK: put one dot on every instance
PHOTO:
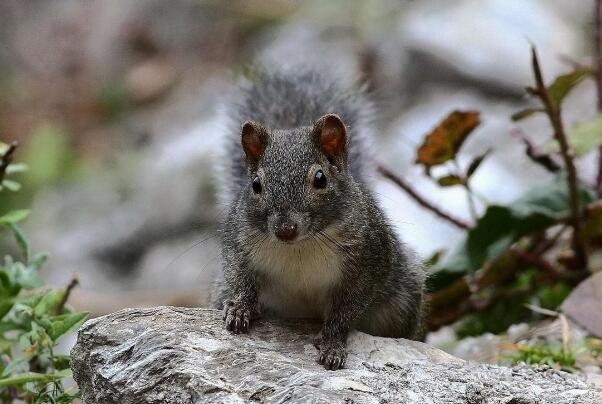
(304, 236)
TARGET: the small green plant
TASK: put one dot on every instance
(544, 355)
(32, 318)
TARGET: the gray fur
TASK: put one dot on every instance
(348, 268)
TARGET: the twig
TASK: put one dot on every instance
(598, 70)
(385, 172)
(536, 155)
(74, 282)
(472, 207)
(553, 112)
(539, 262)
(6, 159)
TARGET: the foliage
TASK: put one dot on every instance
(516, 253)
(32, 321)
(444, 142)
(544, 354)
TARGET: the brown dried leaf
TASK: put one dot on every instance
(443, 143)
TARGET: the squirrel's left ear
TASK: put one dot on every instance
(331, 136)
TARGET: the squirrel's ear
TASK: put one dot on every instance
(332, 135)
(253, 140)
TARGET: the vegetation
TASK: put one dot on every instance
(531, 251)
(32, 318)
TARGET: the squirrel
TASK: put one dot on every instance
(304, 236)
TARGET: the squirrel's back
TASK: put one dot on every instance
(289, 99)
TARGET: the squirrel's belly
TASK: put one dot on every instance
(296, 279)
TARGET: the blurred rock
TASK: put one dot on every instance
(138, 221)
(150, 80)
(175, 355)
(584, 304)
(481, 39)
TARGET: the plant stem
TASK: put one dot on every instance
(385, 172)
(598, 71)
(472, 207)
(553, 112)
(74, 282)
(6, 159)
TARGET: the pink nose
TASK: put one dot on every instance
(286, 231)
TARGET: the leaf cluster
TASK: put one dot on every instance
(32, 321)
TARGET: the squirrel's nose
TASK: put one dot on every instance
(286, 231)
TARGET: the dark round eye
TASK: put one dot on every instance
(256, 185)
(319, 180)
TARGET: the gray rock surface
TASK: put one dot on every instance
(177, 355)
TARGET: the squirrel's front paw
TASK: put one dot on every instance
(333, 355)
(237, 316)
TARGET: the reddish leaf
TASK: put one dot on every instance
(443, 143)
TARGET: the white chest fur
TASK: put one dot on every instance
(296, 278)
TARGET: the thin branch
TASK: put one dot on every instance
(598, 70)
(472, 207)
(553, 112)
(385, 172)
(598, 50)
(527, 258)
(536, 155)
(6, 159)
(74, 282)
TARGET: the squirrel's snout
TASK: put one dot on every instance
(286, 231)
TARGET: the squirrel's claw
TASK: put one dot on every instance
(237, 317)
(332, 357)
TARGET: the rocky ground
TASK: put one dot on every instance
(175, 355)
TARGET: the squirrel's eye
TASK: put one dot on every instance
(256, 185)
(319, 179)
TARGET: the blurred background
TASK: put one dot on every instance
(118, 108)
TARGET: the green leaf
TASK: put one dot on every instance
(474, 165)
(501, 226)
(25, 277)
(525, 113)
(563, 84)
(17, 364)
(11, 185)
(49, 304)
(65, 323)
(61, 361)
(16, 168)
(21, 240)
(38, 261)
(33, 377)
(585, 136)
(14, 216)
(450, 180)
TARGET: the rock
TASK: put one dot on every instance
(583, 304)
(460, 35)
(177, 355)
(149, 80)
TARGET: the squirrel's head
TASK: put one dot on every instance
(297, 177)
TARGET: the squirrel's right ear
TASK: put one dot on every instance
(253, 140)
